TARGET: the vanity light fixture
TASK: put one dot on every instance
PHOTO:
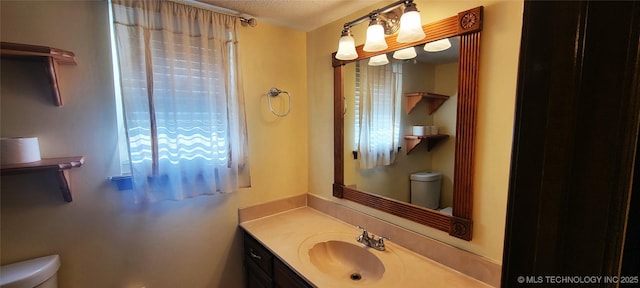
(410, 25)
(406, 53)
(378, 60)
(437, 46)
(383, 21)
(375, 36)
(347, 46)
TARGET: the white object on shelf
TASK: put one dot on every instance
(19, 150)
(419, 131)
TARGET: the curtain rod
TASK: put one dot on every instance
(214, 8)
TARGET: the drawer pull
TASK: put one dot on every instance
(254, 255)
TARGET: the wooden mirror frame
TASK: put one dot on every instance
(467, 25)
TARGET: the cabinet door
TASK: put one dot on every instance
(258, 262)
(256, 278)
(284, 277)
(256, 253)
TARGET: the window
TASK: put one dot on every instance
(183, 128)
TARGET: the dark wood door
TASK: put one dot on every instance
(575, 135)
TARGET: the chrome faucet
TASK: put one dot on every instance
(371, 241)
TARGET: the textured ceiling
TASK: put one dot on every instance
(303, 15)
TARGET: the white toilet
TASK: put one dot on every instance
(35, 273)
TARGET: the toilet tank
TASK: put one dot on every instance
(35, 273)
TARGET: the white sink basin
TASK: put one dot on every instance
(340, 261)
(343, 260)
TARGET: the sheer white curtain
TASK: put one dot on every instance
(379, 114)
(183, 109)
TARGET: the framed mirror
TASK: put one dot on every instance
(466, 28)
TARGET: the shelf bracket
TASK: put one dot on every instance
(59, 165)
(52, 57)
(65, 187)
(434, 100)
(432, 141)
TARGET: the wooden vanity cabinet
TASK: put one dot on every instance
(284, 277)
(258, 263)
(263, 270)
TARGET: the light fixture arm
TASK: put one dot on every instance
(348, 25)
(376, 12)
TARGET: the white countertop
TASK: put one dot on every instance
(288, 235)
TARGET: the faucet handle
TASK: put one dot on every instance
(364, 237)
(381, 240)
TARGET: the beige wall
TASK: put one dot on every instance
(497, 87)
(445, 118)
(103, 239)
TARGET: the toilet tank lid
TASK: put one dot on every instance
(426, 176)
(29, 273)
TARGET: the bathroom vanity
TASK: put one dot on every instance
(304, 247)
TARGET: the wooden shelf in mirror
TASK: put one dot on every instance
(58, 165)
(434, 100)
(52, 57)
(432, 141)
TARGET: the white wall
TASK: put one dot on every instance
(104, 240)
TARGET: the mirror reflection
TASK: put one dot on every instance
(400, 122)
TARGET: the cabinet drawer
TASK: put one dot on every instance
(256, 253)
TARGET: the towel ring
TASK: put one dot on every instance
(274, 92)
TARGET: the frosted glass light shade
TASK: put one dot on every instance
(406, 53)
(378, 60)
(375, 39)
(410, 27)
(437, 46)
(346, 48)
